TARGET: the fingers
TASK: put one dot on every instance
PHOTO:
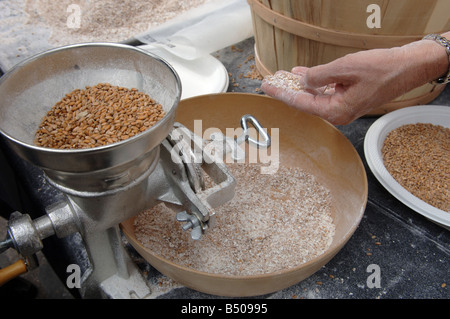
(283, 80)
(281, 90)
(299, 99)
(300, 70)
(284, 86)
(344, 71)
(329, 105)
(321, 75)
(318, 79)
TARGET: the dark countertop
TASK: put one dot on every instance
(411, 252)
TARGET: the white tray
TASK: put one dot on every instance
(205, 75)
(375, 136)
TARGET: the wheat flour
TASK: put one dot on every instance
(275, 222)
(103, 20)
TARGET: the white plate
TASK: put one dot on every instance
(375, 136)
(205, 75)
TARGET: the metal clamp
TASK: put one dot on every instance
(185, 169)
(188, 156)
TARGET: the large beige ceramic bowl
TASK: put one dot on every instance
(305, 141)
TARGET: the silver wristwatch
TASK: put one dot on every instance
(446, 44)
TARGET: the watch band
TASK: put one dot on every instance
(446, 44)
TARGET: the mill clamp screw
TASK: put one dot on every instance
(192, 222)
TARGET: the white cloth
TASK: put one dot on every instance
(202, 30)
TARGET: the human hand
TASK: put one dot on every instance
(349, 87)
(342, 90)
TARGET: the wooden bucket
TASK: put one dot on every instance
(312, 32)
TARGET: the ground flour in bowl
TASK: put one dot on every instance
(275, 222)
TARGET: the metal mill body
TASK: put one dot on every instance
(105, 185)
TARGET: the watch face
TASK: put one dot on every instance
(442, 80)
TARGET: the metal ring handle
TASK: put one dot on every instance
(244, 124)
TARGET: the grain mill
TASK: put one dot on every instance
(103, 186)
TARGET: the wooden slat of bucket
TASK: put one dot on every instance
(327, 35)
(398, 17)
(409, 100)
(308, 33)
